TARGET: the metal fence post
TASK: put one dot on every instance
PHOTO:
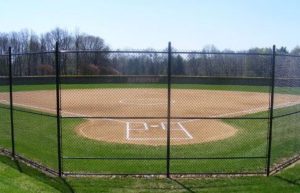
(58, 114)
(271, 109)
(11, 103)
(169, 108)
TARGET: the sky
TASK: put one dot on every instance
(141, 24)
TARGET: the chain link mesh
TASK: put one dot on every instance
(5, 132)
(35, 107)
(114, 111)
(286, 129)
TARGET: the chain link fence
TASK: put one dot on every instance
(90, 112)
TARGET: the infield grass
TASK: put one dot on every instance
(36, 138)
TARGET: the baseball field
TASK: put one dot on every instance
(122, 128)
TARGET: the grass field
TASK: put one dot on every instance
(113, 85)
(18, 178)
(35, 136)
(246, 88)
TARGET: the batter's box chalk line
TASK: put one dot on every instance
(143, 126)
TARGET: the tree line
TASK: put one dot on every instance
(213, 62)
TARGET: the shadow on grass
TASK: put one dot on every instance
(182, 185)
(58, 183)
(295, 182)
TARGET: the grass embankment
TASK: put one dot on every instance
(19, 178)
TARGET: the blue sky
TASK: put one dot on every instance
(189, 24)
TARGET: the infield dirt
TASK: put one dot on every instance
(185, 104)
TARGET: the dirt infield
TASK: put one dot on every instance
(151, 103)
(200, 131)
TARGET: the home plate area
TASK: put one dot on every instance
(156, 131)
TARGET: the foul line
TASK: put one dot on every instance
(256, 110)
(53, 110)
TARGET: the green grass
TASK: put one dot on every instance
(246, 88)
(36, 138)
(19, 178)
(288, 182)
(14, 181)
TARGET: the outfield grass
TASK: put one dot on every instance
(36, 138)
(151, 85)
(32, 181)
(283, 90)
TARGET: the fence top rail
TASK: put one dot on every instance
(32, 53)
(151, 52)
(115, 51)
(289, 55)
(222, 53)
(148, 52)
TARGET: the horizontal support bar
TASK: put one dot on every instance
(222, 53)
(183, 118)
(289, 55)
(285, 115)
(32, 53)
(174, 158)
(160, 174)
(35, 113)
(148, 52)
(113, 51)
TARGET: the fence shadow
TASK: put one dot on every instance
(295, 182)
(56, 182)
(183, 186)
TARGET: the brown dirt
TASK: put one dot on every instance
(151, 103)
(115, 131)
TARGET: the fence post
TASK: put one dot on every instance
(271, 109)
(58, 115)
(169, 108)
(11, 104)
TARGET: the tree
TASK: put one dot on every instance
(296, 50)
(178, 65)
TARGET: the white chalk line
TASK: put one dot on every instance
(255, 110)
(213, 116)
(54, 110)
(127, 131)
(184, 129)
(163, 126)
(244, 112)
(181, 128)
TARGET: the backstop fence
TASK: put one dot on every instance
(101, 112)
